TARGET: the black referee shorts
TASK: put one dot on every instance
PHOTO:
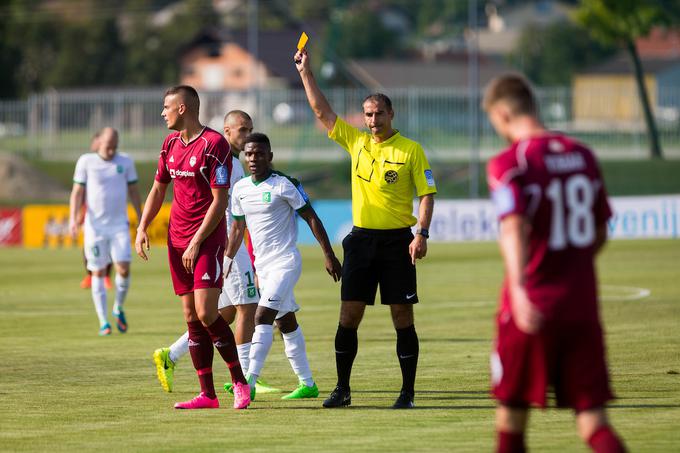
(378, 257)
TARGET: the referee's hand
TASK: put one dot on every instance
(417, 248)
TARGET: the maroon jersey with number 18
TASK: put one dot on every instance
(555, 182)
(195, 168)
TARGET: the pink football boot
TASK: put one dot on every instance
(200, 402)
(241, 395)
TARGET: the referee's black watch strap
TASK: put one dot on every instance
(424, 232)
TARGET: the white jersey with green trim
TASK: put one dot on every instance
(268, 208)
(237, 174)
(106, 187)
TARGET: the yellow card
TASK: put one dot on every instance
(302, 41)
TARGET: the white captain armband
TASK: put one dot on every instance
(503, 200)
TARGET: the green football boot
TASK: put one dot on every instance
(263, 387)
(165, 368)
(302, 391)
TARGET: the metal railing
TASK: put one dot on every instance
(59, 125)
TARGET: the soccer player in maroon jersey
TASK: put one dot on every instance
(199, 162)
(552, 206)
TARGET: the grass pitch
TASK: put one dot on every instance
(63, 388)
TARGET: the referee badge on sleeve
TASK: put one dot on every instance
(221, 175)
(429, 178)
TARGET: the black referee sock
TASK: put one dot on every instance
(407, 352)
(346, 345)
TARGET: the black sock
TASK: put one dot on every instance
(407, 352)
(346, 345)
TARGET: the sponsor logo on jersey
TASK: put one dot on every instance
(119, 168)
(267, 197)
(181, 173)
(391, 177)
(205, 276)
(221, 175)
(429, 178)
(192, 161)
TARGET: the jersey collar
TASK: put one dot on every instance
(257, 183)
(389, 140)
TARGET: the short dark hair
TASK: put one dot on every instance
(258, 137)
(188, 94)
(240, 113)
(379, 97)
(515, 91)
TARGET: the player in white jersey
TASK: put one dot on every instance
(267, 202)
(105, 179)
(239, 293)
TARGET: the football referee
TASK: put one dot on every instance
(387, 169)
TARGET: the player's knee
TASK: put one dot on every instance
(287, 323)
(265, 315)
(589, 421)
(228, 314)
(402, 316)
(351, 314)
(511, 419)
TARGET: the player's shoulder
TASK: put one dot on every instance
(507, 163)
(124, 157)
(169, 139)
(213, 137)
(240, 184)
(283, 178)
(407, 143)
(211, 134)
(86, 158)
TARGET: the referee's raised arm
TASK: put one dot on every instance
(317, 101)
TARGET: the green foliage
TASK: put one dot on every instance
(64, 44)
(361, 34)
(79, 392)
(542, 55)
(87, 56)
(617, 22)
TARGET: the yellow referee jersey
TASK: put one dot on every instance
(385, 177)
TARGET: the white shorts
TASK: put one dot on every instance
(277, 281)
(101, 249)
(239, 286)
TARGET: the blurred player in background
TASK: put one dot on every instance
(86, 282)
(552, 206)
(387, 170)
(267, 202)
(239, 294)
(104, 180)
(199, 162)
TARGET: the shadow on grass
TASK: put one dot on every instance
(430, 340)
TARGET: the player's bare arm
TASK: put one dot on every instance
(151, 207)
(210, 221)
(333, 266)
(317, 101)
(418, 247)
(234, 241)
(75, 205)
(513, 244)
(135, 199)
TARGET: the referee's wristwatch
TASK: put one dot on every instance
(424, 232)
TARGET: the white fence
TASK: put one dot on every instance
(58, 125)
